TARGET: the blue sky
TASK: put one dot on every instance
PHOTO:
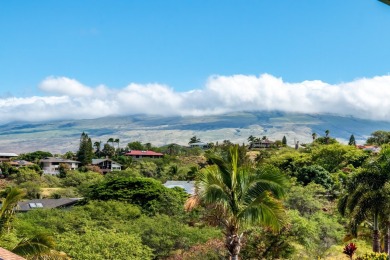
(182, 44)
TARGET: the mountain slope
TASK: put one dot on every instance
(62, 136)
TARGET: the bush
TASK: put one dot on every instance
(374, 256)
(104, 244)
(316, 174)
(147, 193)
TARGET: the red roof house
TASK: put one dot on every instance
(137, 154)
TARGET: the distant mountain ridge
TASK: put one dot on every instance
(63, 135)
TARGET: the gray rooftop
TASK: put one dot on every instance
(46, 203)
(97, 161)
(59, 160)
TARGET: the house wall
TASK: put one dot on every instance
(52, 167)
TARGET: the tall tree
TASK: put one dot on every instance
(314, 136)
(194, 139)
(379, 137)
(284, 141)
(352, 140)
(240, 196)
(85, 152)
(108, 150)
(148, 146)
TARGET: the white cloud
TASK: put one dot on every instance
(65, 86)
(69, 99)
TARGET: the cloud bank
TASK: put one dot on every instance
(65, 98)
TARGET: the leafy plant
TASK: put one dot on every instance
(350, 249)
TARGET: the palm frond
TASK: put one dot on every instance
(7, 211)
(40, 244)
(224, 170)
(266, 210)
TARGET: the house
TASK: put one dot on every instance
(137, 154)
(50, 165)
(6, 157)
(369, 148)
(107, 165)
(20, 163)
(24, 206)
(200, 145)
(262, 144)
(188, 186)
(8, 255)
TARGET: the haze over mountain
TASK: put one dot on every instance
(63, 135)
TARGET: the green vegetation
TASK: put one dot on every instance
(263, 203)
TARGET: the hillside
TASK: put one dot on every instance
(62, 136)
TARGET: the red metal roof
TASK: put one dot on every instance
(144, 153)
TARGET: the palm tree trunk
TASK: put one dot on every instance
(375, 235)
(233, 244)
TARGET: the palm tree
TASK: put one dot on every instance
(364, 203)
(111, 140)
(367, 196)
(240, 196)
(327, 133)
(314, 136)
(8, 205)
(251, 139)
(97, 145)
(327, 136)
(117, 141)
(40, 245)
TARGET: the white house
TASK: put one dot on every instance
(107, 165)
(50, 165)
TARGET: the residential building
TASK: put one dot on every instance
(6, 157)
(24, 206)
(262, 144)
(369, 148)
(200, 145)
(107, 165)
(20, 163)
(50, 165)
(137, 154)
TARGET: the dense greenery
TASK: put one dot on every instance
(274, 203)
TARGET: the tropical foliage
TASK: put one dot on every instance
(274, 203)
